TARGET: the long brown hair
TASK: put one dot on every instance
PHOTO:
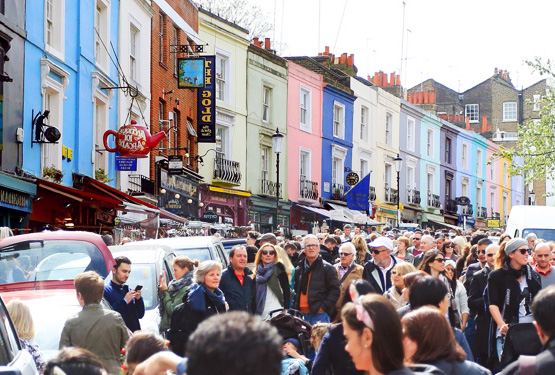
(433, 336)
(362, 249)
(428, 259)
(500, 257)
(387, 345)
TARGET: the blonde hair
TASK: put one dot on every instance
(257, 258)
(403, 268)
(204, 268)
(185, 262)
(22, 320)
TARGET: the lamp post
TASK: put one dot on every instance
(277, 140)
(398, 161)
(532, 196)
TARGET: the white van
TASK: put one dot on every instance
(539, 220)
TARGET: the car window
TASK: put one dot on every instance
(142, 274)
(544, 234)
(201, 254)
(8, 339)
(39, 260)
(221, 254)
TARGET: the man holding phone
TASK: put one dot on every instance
(128, 302)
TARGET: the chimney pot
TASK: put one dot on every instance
(267, 43)
(351, 60)
(397, 80)
(327, 51)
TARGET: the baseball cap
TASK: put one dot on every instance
(382, 241)
(270, 237)
(293, 341)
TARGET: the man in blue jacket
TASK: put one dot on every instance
(236, 281)
(128, 302)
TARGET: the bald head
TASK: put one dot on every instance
(541, 256)
(491, 250)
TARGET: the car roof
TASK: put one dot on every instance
(185, 242)
(65, 294)
(142, 254)
(142, 246)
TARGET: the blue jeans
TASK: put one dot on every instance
(499, 343)
(316, 318)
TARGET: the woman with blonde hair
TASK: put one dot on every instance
(363, 255)
(395, 293)
(23, 322)
(272, 283)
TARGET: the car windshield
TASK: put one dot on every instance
(39, 260)
(142, 274)
(201, 254)
(544, 234)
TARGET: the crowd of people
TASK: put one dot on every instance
(439, 302)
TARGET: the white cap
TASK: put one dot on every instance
(382, 241)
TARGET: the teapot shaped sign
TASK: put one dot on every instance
(133, 141)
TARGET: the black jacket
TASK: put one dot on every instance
(470, 272)
(482, 316)
(373, 275)
(545, 362)
(239, 297)
(332, 355)
(323, 288)
(326, 254)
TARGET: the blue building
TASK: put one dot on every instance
(448, 156)
(465, 176)
(430, 169)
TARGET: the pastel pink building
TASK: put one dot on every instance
(304, 141)
(493, 190)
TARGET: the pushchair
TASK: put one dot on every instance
(521, 339)
(292, 325)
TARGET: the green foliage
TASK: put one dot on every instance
(52, 173)
(100, 175)
(534, 154)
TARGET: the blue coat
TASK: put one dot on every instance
(130, 312)
(238, 297)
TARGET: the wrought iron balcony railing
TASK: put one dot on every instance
(308, 190)
(227, 171)
(482, 212)
(413, 196)
(139, 184)
(391, 195)
(268, 188)
(372, 193)
(433, 200)
(450, 206)
(467, 210)
(338, 191)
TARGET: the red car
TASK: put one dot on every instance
(51, 260)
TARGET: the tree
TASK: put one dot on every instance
(239, 12)
(535, 148)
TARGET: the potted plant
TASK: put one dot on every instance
(100, 175)
(52, 174)
(336, 194)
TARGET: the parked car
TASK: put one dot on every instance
(228, 244)
(49, 260)
(524, 220)
(195, 247)
(148, 262)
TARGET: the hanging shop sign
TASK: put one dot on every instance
(175, 164)
(352, 178)
(173, 205)
(206, 116)
(190, 73)
(210, 217)
(133, 141)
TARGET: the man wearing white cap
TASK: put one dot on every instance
(378, 271)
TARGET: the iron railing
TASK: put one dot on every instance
(308, 190)
(225, 170)
(140, 184)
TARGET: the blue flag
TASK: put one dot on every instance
(358, 196)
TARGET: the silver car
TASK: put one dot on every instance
(148, 262)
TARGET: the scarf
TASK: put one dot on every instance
(307, 270)
(514, 272)
(185, 280)
(196, 297)
(262, 276)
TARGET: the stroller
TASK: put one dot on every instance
(292, 325)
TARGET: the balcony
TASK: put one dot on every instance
(338, 191)
(496, 215)
(433, 201)
(268, 188)
(372, 193)
(308, 190)
(391, 195)
(450, 206)
(226, 171)
(482, 212)
(413, 196)
(467, 210)
(139, 184)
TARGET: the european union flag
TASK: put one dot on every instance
(358, 196)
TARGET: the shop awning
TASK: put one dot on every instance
(168, 215)
(353, 216)
(75, 194)
(445, 225)
(318, 210)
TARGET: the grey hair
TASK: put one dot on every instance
(203, 268)
(348, 245)
(428, 238)
(309, 237)
(531, 235)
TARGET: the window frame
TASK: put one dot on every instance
(479, 167)
(303, 151)
(411, 134)
(161, 36)
(134, 43)
(56, 45)
(464, 155)
(339, 121)
(388, 128)
(266, 104)
(265, 163)
(430, 142)
(307, 125)
(448, 144)
(102, 56)
(536, 99)
(472, 111)
(223, 56)
(507, 111)
(364, 123)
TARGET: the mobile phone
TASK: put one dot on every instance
(138, 287)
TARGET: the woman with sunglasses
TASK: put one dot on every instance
(458, 313)
(395, 293)
(448, 250)
(272, 283)
(433, 263)
(511, 288)
(374, 335)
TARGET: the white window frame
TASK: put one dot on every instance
(340, 154)
(266, 103)
(411, 132)
(307, 107)
(225, 57)
(364, 123)
(510, 111)
(464, 186)
(479, 189)
(338, 120)
(265, 162)
(479, 162)
(161, 35)
(493, 200)
(102, 57)
(175, 55)
(134, 52)
(431, 171)
(430, 142)
(411, 164)
(472, 111)
(308, 155)
(465, 155)
(226, 119)
(388, 128)
(537, 99)
(56, 45)
(505, 174)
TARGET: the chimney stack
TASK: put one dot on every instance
(257, 42)
(267, 43)
(351, 60)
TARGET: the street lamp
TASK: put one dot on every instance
(277, 140)
(398, 161)
(532, 198)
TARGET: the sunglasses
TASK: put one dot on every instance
(345, 254)
(376, 251)
(490, 255)
(416, 239)
(439, 260)
(481, 252)
(525, 251)
(446, 246)
(268, 252)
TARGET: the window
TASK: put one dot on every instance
(430, 143)
(479, 163)
(363, 123)
(221, 140)
(448, 150)
(492, 200)
(133, 44)
(175, 42)
(102, 34)
(505, 174)
(164, 126)
(54, 28)
(304, 164)
(336, 173)
(161, 35)
(364, 168)
(266, 97)
(221, 77)
(265, 162)
(478, 196)
(388, 128)
(465, 156)
(411, 130)
(537, 102)
(448, 183)
(304, 110)
(410, 178)
(464, 188)
(505, 205)
(491, 172)
(509, 111)
(338, 120)
(430, 183)
(101, 122)
(472, 111)
(387, 175)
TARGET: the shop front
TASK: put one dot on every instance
(15, 201)
(223, 205)
(263, 211)
(304, 219)
(180, 196)
(386, 213)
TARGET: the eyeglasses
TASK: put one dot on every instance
(439, 260)
(312, 246)
(480, 251)
(345, 254)
(416, 239)
(376, 251)
(490, 255)
(446, 246)
(525, 251)
(268, 252)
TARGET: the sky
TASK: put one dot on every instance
(457, 43)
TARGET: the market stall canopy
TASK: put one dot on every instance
(352, 216)
(445, 225)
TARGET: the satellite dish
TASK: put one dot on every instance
(52, 134)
